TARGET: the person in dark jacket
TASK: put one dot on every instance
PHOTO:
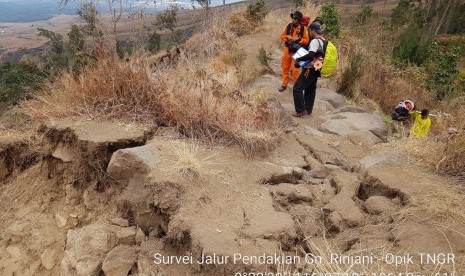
(305, 88)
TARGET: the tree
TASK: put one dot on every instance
(76, 39)
(89, 13)
(205, 4)
(56, 39)
(167, 18)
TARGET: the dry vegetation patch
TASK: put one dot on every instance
(189, 93)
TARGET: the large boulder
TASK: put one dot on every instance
(349, 123)
(129, 162)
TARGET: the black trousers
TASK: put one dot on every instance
(305, 90)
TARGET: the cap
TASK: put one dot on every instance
(315, 26)
(319, 20)
(297, 14)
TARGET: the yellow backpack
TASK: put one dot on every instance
(330, 59)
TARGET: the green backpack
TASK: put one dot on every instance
(330, 59)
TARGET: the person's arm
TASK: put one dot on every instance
(308, 56)
(284, 35)
(313, 48)
(413, 114)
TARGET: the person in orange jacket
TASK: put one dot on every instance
(295, 34)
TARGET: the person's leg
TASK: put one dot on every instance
(298, 92)
(286, 66)
(310, 91)
(295, 72)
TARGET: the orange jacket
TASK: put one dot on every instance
(304, 37)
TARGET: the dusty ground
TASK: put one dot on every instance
(72, 206)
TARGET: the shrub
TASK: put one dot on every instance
(350, 76)
(365, 14)
(19, 80)
(401, 13)
(332, 20)
(154, 43)
(263, 57)
(256, 10)
(235, 58)
(441, 80)
(410, 49)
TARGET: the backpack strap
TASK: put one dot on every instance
(290, 29)
(325, 45)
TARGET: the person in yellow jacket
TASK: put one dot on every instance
(295, 34)
(421, 124)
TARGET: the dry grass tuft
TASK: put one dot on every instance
(188, 163)
(443, 204)
(453, 160)
(113, 89)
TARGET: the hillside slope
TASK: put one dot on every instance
(86, 197)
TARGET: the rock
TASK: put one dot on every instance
(376, 205)
(61, 220)
(381, 159)
(452, 130)
(140, 236)
(63, 152)
(140, 195)
(15, 251)
(332, 97)
(346, 123)
(351, 108)
(287, 194)
(119, 261)
(86, 248)
(367, 121)
(49, 258)
(324, 106)
(313, 132)
(347, 186)
(324, 171)
(364, 137)
(337, 127)
(120, 222)
(126, 163)
(335, 222)
(126, 235)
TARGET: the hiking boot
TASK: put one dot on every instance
(309, 113)
(299, 114)
(282, 88)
